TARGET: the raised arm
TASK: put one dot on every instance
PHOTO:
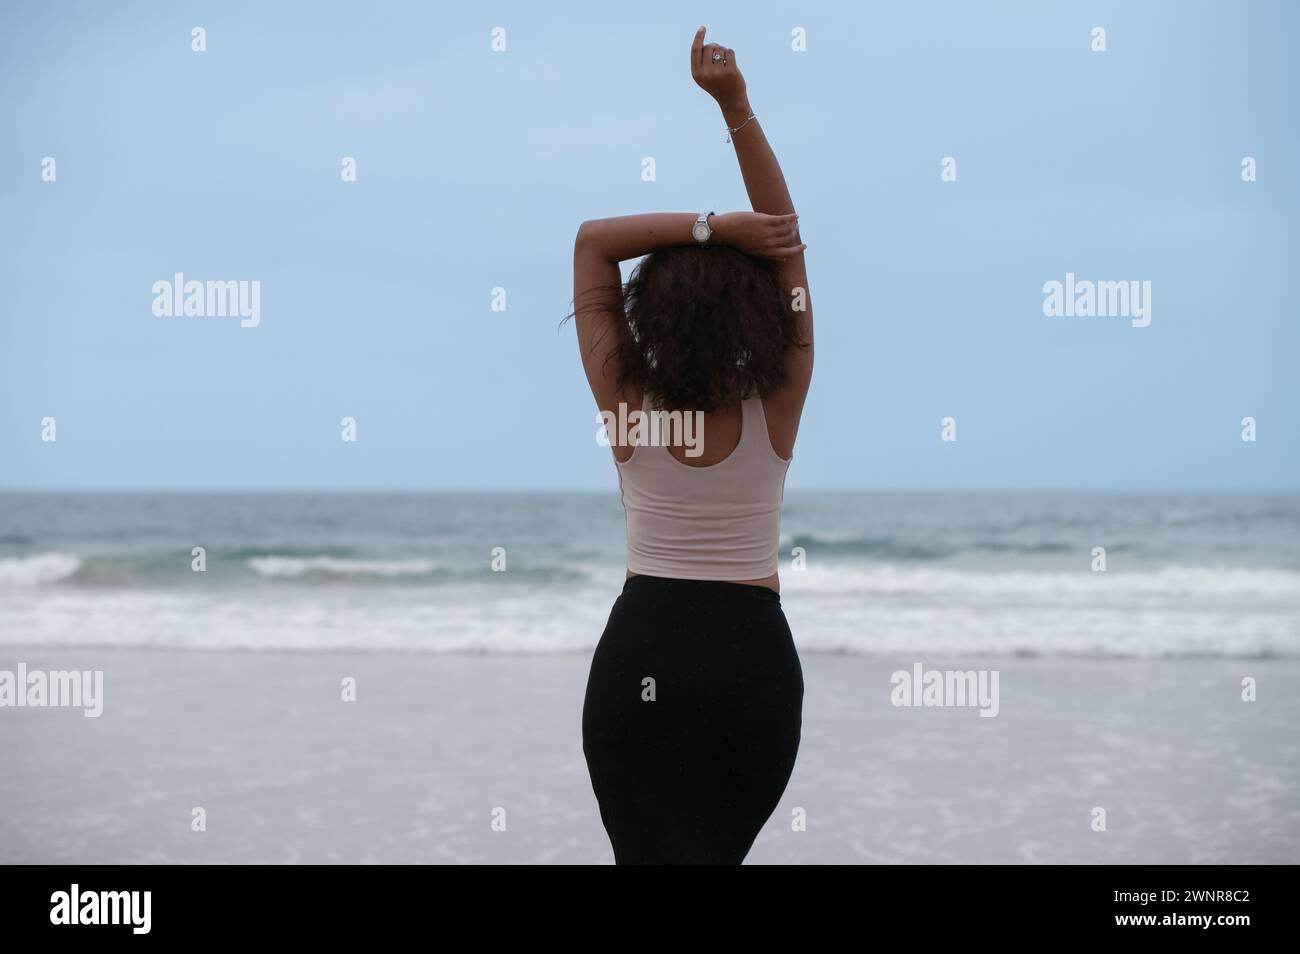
(721, 78)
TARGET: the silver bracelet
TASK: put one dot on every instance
(731, 132)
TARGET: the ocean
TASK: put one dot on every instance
(950, 576)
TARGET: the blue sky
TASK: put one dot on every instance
(475, 169)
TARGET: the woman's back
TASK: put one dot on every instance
(717, 517)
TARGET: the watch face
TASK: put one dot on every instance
(701, 231)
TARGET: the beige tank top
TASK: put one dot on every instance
(721, 522)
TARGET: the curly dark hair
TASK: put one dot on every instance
(706, 326)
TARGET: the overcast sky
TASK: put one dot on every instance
(474, 169)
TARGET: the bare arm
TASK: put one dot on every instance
(597, 301)
(765, 184)
(603, 243)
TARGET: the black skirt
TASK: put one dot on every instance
(691, 720)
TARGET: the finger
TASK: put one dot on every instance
(697, 48)
(728, 57)
(781, 254)
(785, 227)
(783, 239)
(731, 58)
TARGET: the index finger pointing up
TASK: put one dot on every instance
(697, 48)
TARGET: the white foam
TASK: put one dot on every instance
(293, 567)
(892, 611)
(39, 569)
(1169, 582)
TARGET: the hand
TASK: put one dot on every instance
(773, 237)
(714, 69)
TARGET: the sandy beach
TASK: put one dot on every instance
(413, 770)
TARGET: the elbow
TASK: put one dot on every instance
(585, 233)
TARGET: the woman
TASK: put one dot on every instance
(693, 708)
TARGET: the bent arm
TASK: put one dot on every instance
(597, 285)
(631, 236)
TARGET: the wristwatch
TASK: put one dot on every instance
(700, 231)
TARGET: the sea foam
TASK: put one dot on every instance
(39, 569)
